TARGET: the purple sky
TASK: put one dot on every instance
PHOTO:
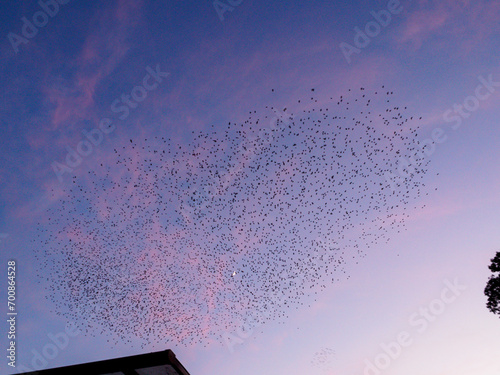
(180, 70)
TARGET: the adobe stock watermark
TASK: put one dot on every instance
(407, 167)
(248, 324)
(371, 30)
(222, 7)
(471, 103)
(420, 321)
(199, 198)
(198, 294)
(122, 106)
(322, 257)
(56, 344)
(3, 236)
(245, 329)
(50, 8)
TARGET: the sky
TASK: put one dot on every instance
(262, 187)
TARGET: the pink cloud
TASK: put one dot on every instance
(465, 25)
(421, 25)
(98, 58)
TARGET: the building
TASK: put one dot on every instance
(159, 363)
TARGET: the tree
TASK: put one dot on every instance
(492, 290)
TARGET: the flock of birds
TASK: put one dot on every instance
(182, 241)
(323, 359)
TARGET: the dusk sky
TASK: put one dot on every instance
(262, 187)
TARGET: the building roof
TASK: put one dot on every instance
(158, 363)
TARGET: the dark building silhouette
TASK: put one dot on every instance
(159, 363)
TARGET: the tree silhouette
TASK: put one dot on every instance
(492, 290)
